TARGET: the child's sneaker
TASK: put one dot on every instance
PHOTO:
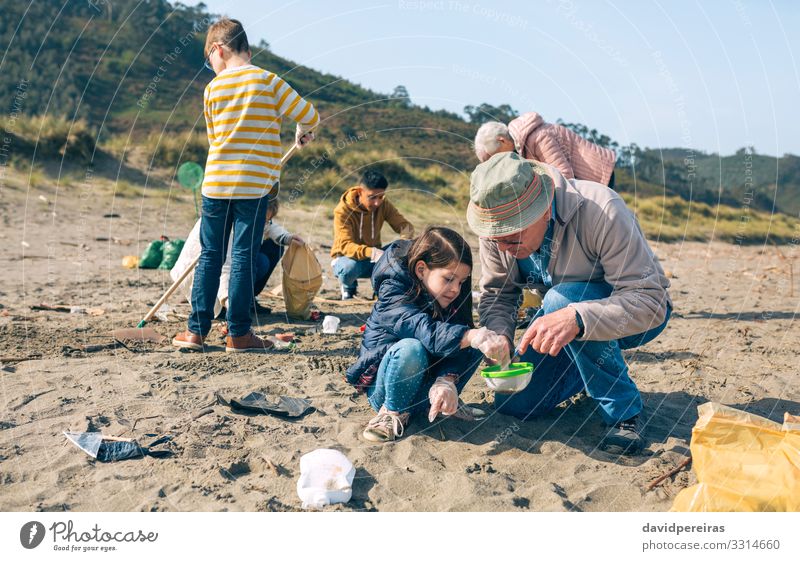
(386, 426)
(347, 294)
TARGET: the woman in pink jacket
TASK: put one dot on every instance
(528, 135)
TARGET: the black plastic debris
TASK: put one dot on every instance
(113, 449)
(285, 406)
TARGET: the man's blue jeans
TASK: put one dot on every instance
(596, 366)
(402, 382)
(348, 271)
(246, 217)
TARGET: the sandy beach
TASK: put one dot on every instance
(733, 339)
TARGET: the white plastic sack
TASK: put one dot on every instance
(191, 249)
(326, 477)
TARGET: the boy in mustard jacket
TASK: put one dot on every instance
(357, 223)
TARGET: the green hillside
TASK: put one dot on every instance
(742, 179)
(122, 80)
(130, 67)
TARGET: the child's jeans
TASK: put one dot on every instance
(266, 260)
(246, 217)
(403, 382)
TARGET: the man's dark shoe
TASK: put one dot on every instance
(625, 437)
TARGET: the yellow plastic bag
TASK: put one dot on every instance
(130, 261)
(743, 462)
(302, 279)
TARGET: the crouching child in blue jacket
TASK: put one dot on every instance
(420, 345)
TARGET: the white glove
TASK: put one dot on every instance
(375, 255)
(443, 396)
(493, 346)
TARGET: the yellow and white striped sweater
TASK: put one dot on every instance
(244, 107)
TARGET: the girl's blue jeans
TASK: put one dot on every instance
(246, 218)
(596, 366)
(403, 380)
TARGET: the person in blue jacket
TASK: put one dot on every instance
(420, 346)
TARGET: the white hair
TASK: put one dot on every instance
(486, 143)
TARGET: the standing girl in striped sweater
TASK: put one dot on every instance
(244, 106)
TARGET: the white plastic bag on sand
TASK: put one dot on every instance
(330, 325)
(326, 477)
(191, 249)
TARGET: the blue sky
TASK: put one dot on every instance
(711, 76)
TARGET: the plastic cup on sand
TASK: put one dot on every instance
(330, 325)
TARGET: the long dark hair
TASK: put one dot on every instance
(439, 247)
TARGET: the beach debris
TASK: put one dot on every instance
(100, 347)
(280, 345)
(113, 449)
(161, 314)
(51, 308)
(111, 215)
(272, 466)
(330, 325)
(130, 261)
(203, 413)
(255, 402)
(326, 477)
(67, 309)
(19, 358)
(285, 337)
(138, 335)
(670, 473)
(743, 462)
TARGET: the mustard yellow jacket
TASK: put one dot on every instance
(356, 230)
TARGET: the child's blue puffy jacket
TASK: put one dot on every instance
(395, 317)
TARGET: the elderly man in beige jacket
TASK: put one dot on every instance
(604, 289)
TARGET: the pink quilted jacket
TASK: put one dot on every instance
(573, 156)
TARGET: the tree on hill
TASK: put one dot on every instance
(485, 112)
(400, 97)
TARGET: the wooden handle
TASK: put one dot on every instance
(169, 292)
